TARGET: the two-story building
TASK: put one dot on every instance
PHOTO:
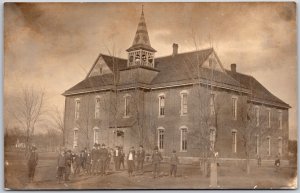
(185, 101)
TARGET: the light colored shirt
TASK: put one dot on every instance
(130, 157)
(117, 152)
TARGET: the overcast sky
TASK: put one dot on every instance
(52, 46)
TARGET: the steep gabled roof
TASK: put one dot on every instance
(259, 92)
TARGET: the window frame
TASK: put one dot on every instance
(269, 117)
(182, 105)
(97, 108)
(75, 137)
(280, 118)
(183, 146)
(234, 103)
(127, 111)
(160, 106)
(257, 116)
(96, 130)
(160, 141)
(77, 108)
(269, 145)
(234, 140)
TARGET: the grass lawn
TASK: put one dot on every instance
(189, 177)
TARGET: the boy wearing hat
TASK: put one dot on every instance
(130, 161)
(173, 163)
(140, 158)
(32, 162)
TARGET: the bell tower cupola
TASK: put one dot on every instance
(141, 53)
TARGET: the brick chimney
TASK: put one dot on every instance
(233, 67)
(175, 49)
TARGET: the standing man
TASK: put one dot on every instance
(122, 157)
(156, 159)
(103, 158)
(94, 159)
(140, 159)
(88, 163)
(173, 163)
(61, 163)
(117, 158)
(68, 158)
(130, 161)
(32, 162)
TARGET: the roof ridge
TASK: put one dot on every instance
(189, 52)
(112, 56)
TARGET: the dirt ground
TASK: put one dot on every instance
(189, 177)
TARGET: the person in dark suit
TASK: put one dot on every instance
(103, 155)
(68, 158)
(122, 158)
(61, 164)
(173, 163)
(32, 163)
(94, 159)
(156, 159)
(140, 159)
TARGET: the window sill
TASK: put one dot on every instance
(126, 117)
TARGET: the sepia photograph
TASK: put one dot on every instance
(144, 95)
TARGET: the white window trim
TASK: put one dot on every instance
(159, 101)
(77, 112)
(257, 117)
(126, 96)
(181, 129)
(75, 144)
(181, 102)
(158, 138)
(235, 107)
(214, 103)
(96, 129)
(235, 140)
(269, 145)
(97, 97)
(269, 117)
(280, 118)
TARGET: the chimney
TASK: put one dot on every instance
(233, 67)
(175, 49)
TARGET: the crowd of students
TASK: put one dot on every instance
(98, 161)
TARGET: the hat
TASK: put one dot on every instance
(103, 144)
(156, 148)
(141, 146)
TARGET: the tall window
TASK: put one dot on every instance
(233, 133)
(212, 104)
(257, 116)
(280, 119)
(183, 143)
(161, 134)
(257, 144)
(161, 105)
(75, 137)
(127, 106)
(269, 118)
(77, 107)
(97, 108)
(280, 145)
(269, 145)
(234, 107)
(212, 138)
(96, 135)
(184, 106)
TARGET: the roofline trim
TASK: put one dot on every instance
(270, 103)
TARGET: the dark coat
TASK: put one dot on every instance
(156, 157)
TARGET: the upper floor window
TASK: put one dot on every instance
(269, 117)
(183, 141)
(257, 116)
(160, 141)
(97, 108)
(280, 119)
(212, 104)
(234, 107)
(184, 105)
(234, 141)
(127, 105)
(161, 104)
(77, 108)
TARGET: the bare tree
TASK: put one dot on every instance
(30, 110)
(58, 121)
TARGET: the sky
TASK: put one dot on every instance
(52, 46)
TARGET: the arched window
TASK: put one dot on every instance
(184, 102)
(161, 105)
(97, 107)
(77, 108)
(75, 137)
(160, 138)
(96, 135)
(183, 138)
(127, 112)
(234, 140)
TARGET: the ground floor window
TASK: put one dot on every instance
(269, 145)
(212, 138)
(161, 135)
(257, 144)
(96, 135)
(280, 146)
(233, 134)
(183, 140)
(75, 138)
